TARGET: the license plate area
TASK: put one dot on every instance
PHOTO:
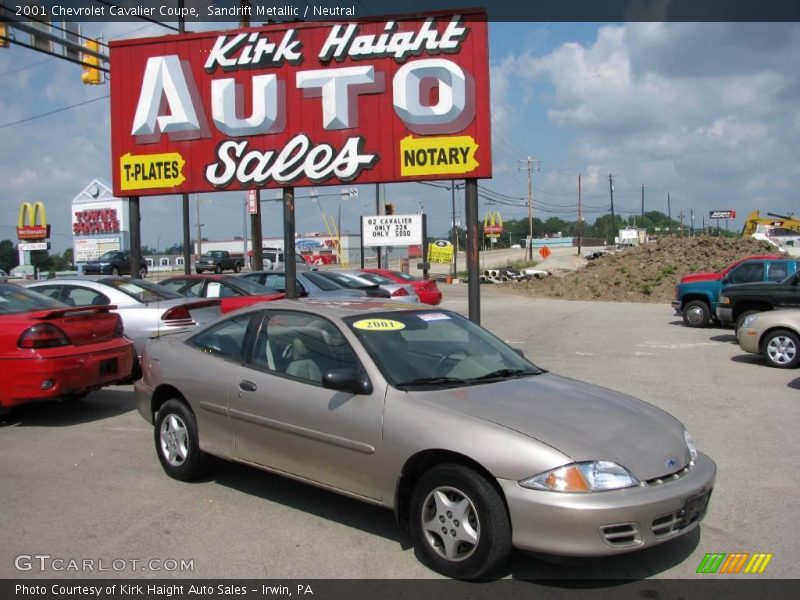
(108, 367)
(694, 509)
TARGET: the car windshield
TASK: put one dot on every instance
(14, 299)
(348, 281)
(108, 256)
(141, 290)
(403, 276)
(250, 287)
(322, 282)
(418, 349)
(376, 279)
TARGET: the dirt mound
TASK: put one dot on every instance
(644, 273)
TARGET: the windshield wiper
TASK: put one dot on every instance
(505, 374)
(430, 381)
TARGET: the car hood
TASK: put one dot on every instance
(581, 420)
(703, 276)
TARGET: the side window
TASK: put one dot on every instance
(226, 339)
(195, 290)
(747, 273)
(778, 272)
(51, 291)
(225, 291)
(78, 296)
(302, 346)
(175, 285)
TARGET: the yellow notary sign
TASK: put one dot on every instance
(379, 325)
(149, 171)
(437, 155)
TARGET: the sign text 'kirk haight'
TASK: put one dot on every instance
(302, 104)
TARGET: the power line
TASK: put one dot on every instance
(52, 112)
(26, 67)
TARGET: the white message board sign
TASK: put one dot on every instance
(391, 230)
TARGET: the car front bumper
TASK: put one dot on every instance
(66, 372)
(724, 314)
(748, 339)
(607, 523)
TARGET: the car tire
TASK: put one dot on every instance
(781, 349)
(439, 497)
(740, 319)
(237, 267)
(696, 314)
(218, 269)
(142, 273)
(114, 271)
(177, 442)
(198, 271)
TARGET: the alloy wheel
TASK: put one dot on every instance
(450, 523)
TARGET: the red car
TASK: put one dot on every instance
(426, 289)
(49, 350)
(233, 292)
(712, 275)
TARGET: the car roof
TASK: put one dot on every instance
(200, 276)
(343, 308)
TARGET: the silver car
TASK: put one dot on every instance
(145, 307)
(376, 286)
(421, 411)
(309, 283)
(775, 335)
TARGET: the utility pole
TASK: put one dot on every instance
(613, 220)
(199, 227)
(680, 230)
(455, 231)
(643, 207)
(527, 165)
(669, 214)
(580, 214)
(691, 230)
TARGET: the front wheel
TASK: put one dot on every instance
(696, 314)
(114, 271)
(780, 349)
(142, 273)
(459, 523)
(198, 271)
(237, 267)
(218, 269)
(177, 442)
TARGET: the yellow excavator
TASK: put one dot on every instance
(755, 223)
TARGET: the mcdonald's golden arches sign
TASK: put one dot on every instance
(32, 222)
(492, 224)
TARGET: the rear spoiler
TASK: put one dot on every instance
(57, 313)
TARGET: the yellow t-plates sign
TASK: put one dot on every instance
(379, 325)
(151, 171)
(437, 155)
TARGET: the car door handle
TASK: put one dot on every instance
(247, 386)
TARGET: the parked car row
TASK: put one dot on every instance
(744, 295)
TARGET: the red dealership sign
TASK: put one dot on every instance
(301, 104)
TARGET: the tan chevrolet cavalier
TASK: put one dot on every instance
(775, 335)
(476, 449)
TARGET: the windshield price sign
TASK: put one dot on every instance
(394, 230)
(302, 104)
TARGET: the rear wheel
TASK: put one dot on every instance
(459, 523)
(781, 349)
(696, 314)
(237, 267)
(177, 442)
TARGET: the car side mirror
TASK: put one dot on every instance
(347, 380)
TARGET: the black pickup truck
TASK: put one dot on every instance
(218, 261)
(738, 301)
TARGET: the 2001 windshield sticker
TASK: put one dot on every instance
(302, 104)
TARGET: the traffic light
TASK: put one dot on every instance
(4, 34)
(389, 208)
(92, 75)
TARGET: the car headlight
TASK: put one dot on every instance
(749, 320)
(724, 300)
(594, 476)
(690, 445)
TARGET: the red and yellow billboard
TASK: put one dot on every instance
(300, 104)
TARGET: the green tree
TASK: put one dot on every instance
(9, 257)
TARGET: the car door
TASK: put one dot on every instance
(788, 295)
(283, 417)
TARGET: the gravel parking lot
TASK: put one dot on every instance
(82, 481)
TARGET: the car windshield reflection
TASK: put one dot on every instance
(418, 349)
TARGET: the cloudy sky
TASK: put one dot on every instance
(709, 113)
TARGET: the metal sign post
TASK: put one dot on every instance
(473, 253)
(289, 267)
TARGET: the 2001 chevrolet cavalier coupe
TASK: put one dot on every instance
(475, 448)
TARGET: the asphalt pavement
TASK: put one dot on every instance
(82, 481)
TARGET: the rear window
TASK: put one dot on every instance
(15, 299)
(403, 276)
(322, 283)
(376, 279)
(141, 290)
